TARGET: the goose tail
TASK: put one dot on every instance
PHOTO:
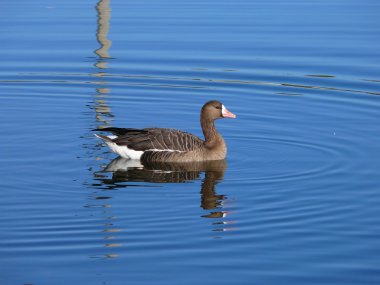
(104, 138)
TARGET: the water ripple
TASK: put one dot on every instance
(173, 81)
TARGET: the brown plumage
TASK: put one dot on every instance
(170, 145)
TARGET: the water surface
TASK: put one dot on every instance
(295, 202)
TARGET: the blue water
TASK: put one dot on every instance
(297, 201)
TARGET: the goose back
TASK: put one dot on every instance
(159, 144)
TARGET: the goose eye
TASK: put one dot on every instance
(218, 107)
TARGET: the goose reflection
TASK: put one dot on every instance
(126, 170)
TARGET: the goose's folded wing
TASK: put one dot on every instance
(158, 139)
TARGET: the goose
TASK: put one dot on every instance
(171, 145)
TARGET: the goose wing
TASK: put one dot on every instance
(156, 139)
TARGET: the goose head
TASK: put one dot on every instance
(213, 110)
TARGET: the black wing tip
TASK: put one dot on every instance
(123, 130)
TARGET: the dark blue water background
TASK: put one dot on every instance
(296, 203)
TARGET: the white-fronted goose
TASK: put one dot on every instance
(170, 145)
